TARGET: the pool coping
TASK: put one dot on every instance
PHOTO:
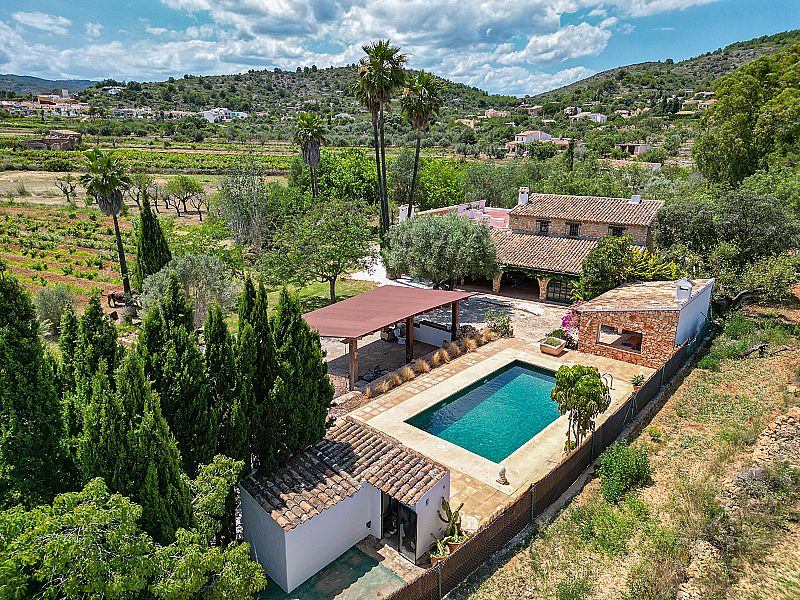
(531, 461)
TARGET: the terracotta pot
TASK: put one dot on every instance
(636, 388)
(453, 546)
(435, 559)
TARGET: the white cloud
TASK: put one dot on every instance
(93, 30)
(515, 47)
(43, 21)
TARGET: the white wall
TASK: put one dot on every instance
(427, 520)
(323, 538)
(266, 538)
(693, 314)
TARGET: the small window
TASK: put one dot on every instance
(560, 291)
(619, 338)
(616, 230)
(544, 227)
(573, 229)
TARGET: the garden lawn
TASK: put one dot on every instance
(699, 441)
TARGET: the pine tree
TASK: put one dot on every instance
(247, 301)
(33, 460)
(268, 418)
(302, 387)
(152, 475)
(152, 250)
(176, 308)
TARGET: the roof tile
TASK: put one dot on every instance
(540, 252)
(594, 209)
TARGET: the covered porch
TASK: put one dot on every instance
(392, 311)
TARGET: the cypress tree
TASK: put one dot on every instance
(102, 450)
(33, 460)
(152, 250)
(153, 477)
(238, 429)
(175, 366)
(184, 392)
(268, 418)
(247, 301)
(67, 343)
(302, 387)
(224, 386)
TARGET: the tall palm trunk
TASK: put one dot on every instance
(383, 174)
(378, 168)
(314, 190)
(414, 175)
(123, 266)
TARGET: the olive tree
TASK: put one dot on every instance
(441, 249)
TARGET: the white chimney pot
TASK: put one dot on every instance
(523, 196)
(635, 199)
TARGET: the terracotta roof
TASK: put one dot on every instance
(593, 209)
(646, 295)
(371, 311)
(540, 252)
(334, 469)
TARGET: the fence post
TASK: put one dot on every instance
(439, 578)
(533, 502)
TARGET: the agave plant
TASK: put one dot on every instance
(105, 181)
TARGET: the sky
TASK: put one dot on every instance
(512, 46)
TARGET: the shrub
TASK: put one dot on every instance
(622, 468)
(421, 366)
(407, 373)
(436, 359)
(444, 355)
(498, 322)
(51, 303)
(470, 344)
(738, 326)
(654, 433)
(394, 381)
(369, 392)
(383, 387)
(607, 527)
(452, 349)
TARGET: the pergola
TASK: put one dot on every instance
(372, 311)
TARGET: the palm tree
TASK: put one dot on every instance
(309, 135)
(380, 74)
(105, 181)
(420, 104)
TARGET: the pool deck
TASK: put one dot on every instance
(474, 478)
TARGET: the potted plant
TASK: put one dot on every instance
(439, 550)
(454, 537)
(637, 381)
(552, 345)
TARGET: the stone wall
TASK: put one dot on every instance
(558, 227)
(658, 329)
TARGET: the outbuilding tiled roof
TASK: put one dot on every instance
(541, 252)
(593, 209)
(644, 295)
(334, 469)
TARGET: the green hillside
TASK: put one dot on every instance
(276, 92)
(24, 85)
(654, 79)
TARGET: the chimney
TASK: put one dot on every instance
(523, 196)
(635, 199)
(683, 289)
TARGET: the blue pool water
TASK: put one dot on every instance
(496, 415)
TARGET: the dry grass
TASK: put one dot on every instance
(422, 366)
(470, 344)
(395, 380)
(407, 373)
(436, 359)
(489, 336)
(453, 349)
(369, 392)
(444, 355)
(383, 387)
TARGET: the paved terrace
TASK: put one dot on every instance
(473, 478)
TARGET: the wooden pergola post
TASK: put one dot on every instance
(454, 321)
(409, 339)
(353, 353)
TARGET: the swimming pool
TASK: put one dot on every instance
(496, 415)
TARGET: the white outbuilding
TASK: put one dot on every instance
(356, 482)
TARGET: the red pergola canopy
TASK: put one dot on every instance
(372, 311)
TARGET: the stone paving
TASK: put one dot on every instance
(473, 478)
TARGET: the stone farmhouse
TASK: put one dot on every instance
(643, 323)
(57, 139)
(549, 236)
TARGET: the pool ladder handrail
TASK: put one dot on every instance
(604, 377)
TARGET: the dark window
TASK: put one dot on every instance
(616, 230)
(573, 229)
(544, 227)
(559, 291)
